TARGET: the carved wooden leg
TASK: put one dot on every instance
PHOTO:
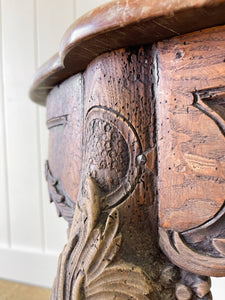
(112, 250)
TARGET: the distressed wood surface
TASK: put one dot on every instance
(190, 122)
(121, 83)
(65, 123)
(120, 24)
(116, 193)
(190, 142)
(136, 152)
(112, 250)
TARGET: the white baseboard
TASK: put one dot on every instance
(218, 288)
(28, 267)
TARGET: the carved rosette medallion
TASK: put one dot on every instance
(112, 148)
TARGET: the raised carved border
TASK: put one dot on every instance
(129, 134)
(201, 250)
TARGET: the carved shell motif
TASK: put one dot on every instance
(85, 268)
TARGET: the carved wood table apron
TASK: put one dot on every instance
(135, 111)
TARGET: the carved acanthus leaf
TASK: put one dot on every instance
(219, 244)
(86, 269)
(64, 205)
(184, 256)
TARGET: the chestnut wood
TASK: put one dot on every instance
(118, 182)
(120, 24)
(136, 152)
(64, 121)
(190, 142)
(191, 185)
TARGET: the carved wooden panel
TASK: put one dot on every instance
(118, 186)
(112, 250)
(137, 156)
(191, 145)
(191, 139)
(57, 193)
(65, 123)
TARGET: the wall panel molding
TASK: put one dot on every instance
(5, 239)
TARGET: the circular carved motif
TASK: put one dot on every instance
(107, 156)
(111, 150)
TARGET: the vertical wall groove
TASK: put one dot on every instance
(5, 156)
(38, 133)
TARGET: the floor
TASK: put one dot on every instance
(15, 291)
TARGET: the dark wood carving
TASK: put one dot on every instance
(65, 123)
(212, 103)
(137, 150)
(191, 145)
(109, 159)
(204, 246)
(57, 121)
(112, 250)
(64, 204)
(120, 24)
(85, 269)
(89, 267)
(118, 185)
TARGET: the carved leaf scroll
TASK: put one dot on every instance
(183, 255)
(64, 204)
(212, 103)
(201, 250)
(86, 269)
(198, 250)
(219, 245)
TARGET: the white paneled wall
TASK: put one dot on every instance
(52, 19)
(31, 234)
(4, 208)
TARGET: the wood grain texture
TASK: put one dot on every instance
(190, 122)
(120, 81)
(121, 24)
(112, 250)
(85, 270)
(152, 120)
(190, 141)
(112, 207)
(65, 123)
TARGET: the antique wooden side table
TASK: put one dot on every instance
(136, 115)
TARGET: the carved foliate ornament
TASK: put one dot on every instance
(201, 249)
(64, 204)
(111, 150)
(88, 268)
